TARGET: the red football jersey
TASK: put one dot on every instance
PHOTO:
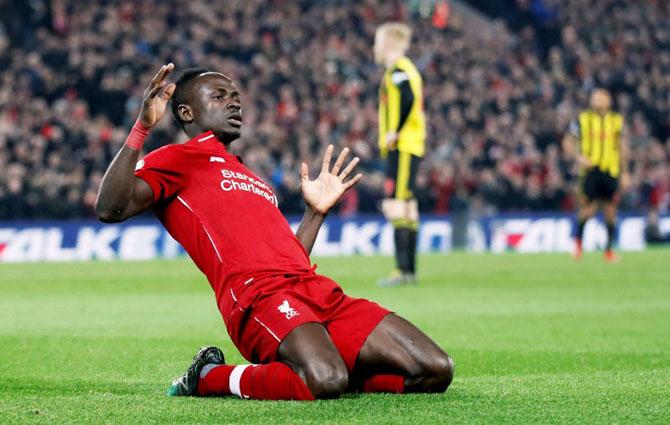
(224, 216)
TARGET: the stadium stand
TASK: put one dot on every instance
(73, 73)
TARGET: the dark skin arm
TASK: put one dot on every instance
(309, 228)
(121, 194)
(322, 193)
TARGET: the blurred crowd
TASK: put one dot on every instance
(73, 74)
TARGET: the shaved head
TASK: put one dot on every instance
(184, 85)
(214, 73)
(205, 100)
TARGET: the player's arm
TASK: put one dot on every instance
(570, 145)
(405, 101)
(121, 194)
(322, 193)
(623, 157)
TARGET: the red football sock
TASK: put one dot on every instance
(274, 381)
(384, 384)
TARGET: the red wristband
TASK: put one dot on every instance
(137, 135)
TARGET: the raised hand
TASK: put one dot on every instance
(156, 97)
(323, 192)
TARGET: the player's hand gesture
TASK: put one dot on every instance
(322, 193)
(156, 97)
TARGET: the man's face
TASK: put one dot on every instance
(601, 101)
(216, 106)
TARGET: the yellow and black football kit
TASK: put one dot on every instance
(401, 112)
(599, 139)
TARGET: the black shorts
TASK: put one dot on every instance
(401, 168)
(599, 186)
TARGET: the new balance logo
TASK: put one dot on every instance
(287, 310)
(216, 159)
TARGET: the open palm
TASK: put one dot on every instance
(322, 193)
(156, 97)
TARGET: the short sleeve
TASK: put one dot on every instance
(398, 77)
(163, 170)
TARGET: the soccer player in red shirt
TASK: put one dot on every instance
(305, 338)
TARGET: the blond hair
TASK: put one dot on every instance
(399, 33)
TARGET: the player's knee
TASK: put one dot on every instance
(446, 372)
(327, 380)
(439, 372)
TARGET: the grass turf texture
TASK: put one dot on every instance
(535, 338)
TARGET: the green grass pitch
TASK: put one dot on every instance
(535, 338)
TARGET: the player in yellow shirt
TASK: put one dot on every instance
(602, 153)
(402, 134)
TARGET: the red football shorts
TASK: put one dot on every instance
(260, 314)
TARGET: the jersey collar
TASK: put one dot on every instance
(398, 62)
(208, 137)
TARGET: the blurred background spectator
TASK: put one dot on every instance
(72, 74)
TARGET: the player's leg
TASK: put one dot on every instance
(610, 213)
(396, 208)
(610, 187)
(208, 375)
(412, 217)
(587, 208)
(392, 210)
(308, 366)
(310, 352)
(412, 239)
(298, 358)
(406, 224)
(398, 357)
